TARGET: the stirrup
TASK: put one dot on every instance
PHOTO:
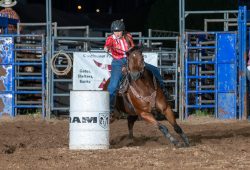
(123, 85)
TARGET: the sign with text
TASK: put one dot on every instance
(91, 70)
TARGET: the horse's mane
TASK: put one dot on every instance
(135, 48)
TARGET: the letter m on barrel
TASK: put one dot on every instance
(77, 119)
(89, 119)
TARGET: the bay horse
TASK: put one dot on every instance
(143, 96)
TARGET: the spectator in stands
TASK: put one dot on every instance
(118, 43)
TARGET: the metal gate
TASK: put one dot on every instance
(211, 73)
(23, 61)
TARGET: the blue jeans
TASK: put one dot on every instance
(156, 73)
(116, 75)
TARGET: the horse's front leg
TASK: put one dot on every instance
(170, 117)
(131, 122)
(149, 118)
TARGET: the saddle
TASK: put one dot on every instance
(124, 83)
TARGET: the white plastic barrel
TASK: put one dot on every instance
(89, 120)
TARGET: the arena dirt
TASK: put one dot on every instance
(33, 143)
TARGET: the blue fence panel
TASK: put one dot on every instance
(227, 75)
(6, 71)
(227, 107)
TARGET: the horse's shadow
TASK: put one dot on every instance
(125, 141)
(212, 135)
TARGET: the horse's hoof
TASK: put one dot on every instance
(179, 145)
(130, 136)
(112, 119)
(186, 145)
(176, 143)
(131, 140)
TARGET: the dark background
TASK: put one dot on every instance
(138, 15)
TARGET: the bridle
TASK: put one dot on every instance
(135, 74)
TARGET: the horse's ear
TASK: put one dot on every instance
(129, 51)
(141, 46)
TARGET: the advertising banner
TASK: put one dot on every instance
(91, 70)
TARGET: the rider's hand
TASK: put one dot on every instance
(124, 69)
(106, 49)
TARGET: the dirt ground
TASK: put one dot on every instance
(33, 143)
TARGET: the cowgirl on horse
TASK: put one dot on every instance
(118, 43)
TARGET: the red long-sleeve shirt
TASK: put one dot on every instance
(119, 46)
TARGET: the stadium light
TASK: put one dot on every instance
(79, 7)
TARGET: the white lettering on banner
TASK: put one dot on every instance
(92, 70)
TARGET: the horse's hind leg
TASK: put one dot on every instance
(170, 117)
(131, 122)
(149, 118)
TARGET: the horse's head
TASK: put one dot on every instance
(135, 62)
